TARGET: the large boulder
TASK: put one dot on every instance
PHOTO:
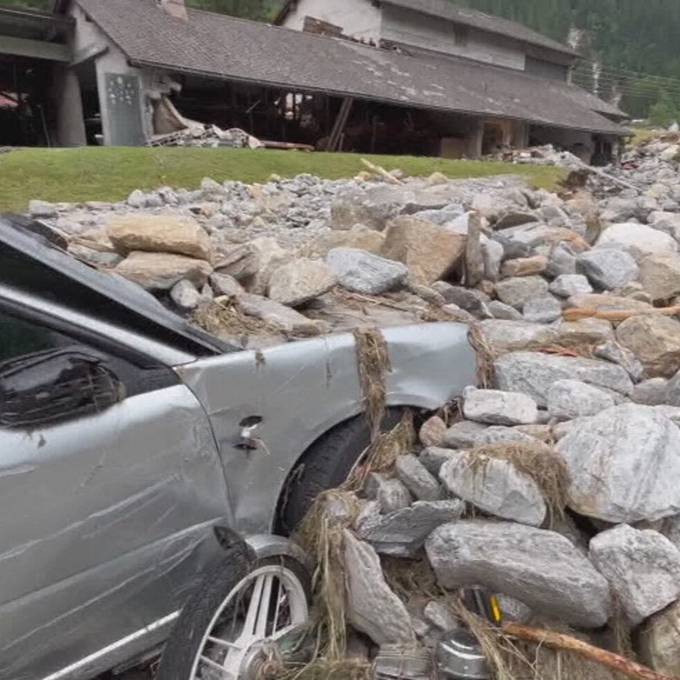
(402, 533)
(161, 271)
(362, 272)
(660, 276)
(300, 281)
(516, 292)
(372, 607)
(268, 256)
(615, 459)
(639, 239)
(278, 316)
(429, 251)
(608, 303)
(608, 268)
(540, 568)
(359, 237)
(534, 374)
(372, 207)
(159, 234)
(569, 399)
(499, 408)
(495, 486)
(507, 336)
(659, 642)
(642, 567)
(655, 341)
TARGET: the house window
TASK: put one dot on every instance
(460, 36)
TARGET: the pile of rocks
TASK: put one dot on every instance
(579, 415)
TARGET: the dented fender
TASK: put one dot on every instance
(299, 391)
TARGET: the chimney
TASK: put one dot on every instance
(175, 8)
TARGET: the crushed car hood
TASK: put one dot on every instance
(30, 261)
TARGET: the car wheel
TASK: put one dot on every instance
(326, 465)
(243, 616)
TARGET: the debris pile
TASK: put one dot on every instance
(551, 485)
(209, 136)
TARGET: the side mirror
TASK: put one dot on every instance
(55, 385)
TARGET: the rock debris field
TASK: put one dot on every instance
(554, 483)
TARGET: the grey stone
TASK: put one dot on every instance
(463, 434)
(514, 218)
(161, 271)
(434, 457)
(642, 568)
(469, 299)
(224, 284)
(363, 272)
(562, 261)
(672, 391)
(608, 268)
(540, 568)
(297, 282)
(185, 295)
(417, 479)
(391, 494)
(499, 310)
(567, 285)
(402, 533)
(516, 292)
(498, 433)
(441, 616)
(433, 432)
(499, 408)
(655, 341)
(372, 207)
(96, 258)
(42, 209)
(534, 373)
(614, 461)
(659, 642)
(508, 336)
(544, 309)
(442, 216)
(612, 351)
(492, 255)
(137, 199)
(660, 276)
(639, 239)
(513, 609)
(495, 486)
(277, 315)
(653, 392)
(569, 399)
(372, 607)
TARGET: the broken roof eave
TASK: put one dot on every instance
(622, 132)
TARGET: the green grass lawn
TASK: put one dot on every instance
(110, 174)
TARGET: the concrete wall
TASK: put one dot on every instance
(111, 61)
(358, 18)
(420, 30)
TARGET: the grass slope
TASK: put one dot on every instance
(110, 174)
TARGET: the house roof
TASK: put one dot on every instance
(220, 46)
(445, 9)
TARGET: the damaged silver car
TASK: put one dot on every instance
(145, 464)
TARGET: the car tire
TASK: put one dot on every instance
(188, 636)
(326, 465)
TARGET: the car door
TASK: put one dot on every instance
(110, 485)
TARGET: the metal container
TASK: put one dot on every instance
(459, 657)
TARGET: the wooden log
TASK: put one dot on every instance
(566, 643)
(618, 314)
(474, 261)
(378, 170)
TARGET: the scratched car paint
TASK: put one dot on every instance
(109, 512)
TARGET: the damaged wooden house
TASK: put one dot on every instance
(421, 77)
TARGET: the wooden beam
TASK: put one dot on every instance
(35, 49)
